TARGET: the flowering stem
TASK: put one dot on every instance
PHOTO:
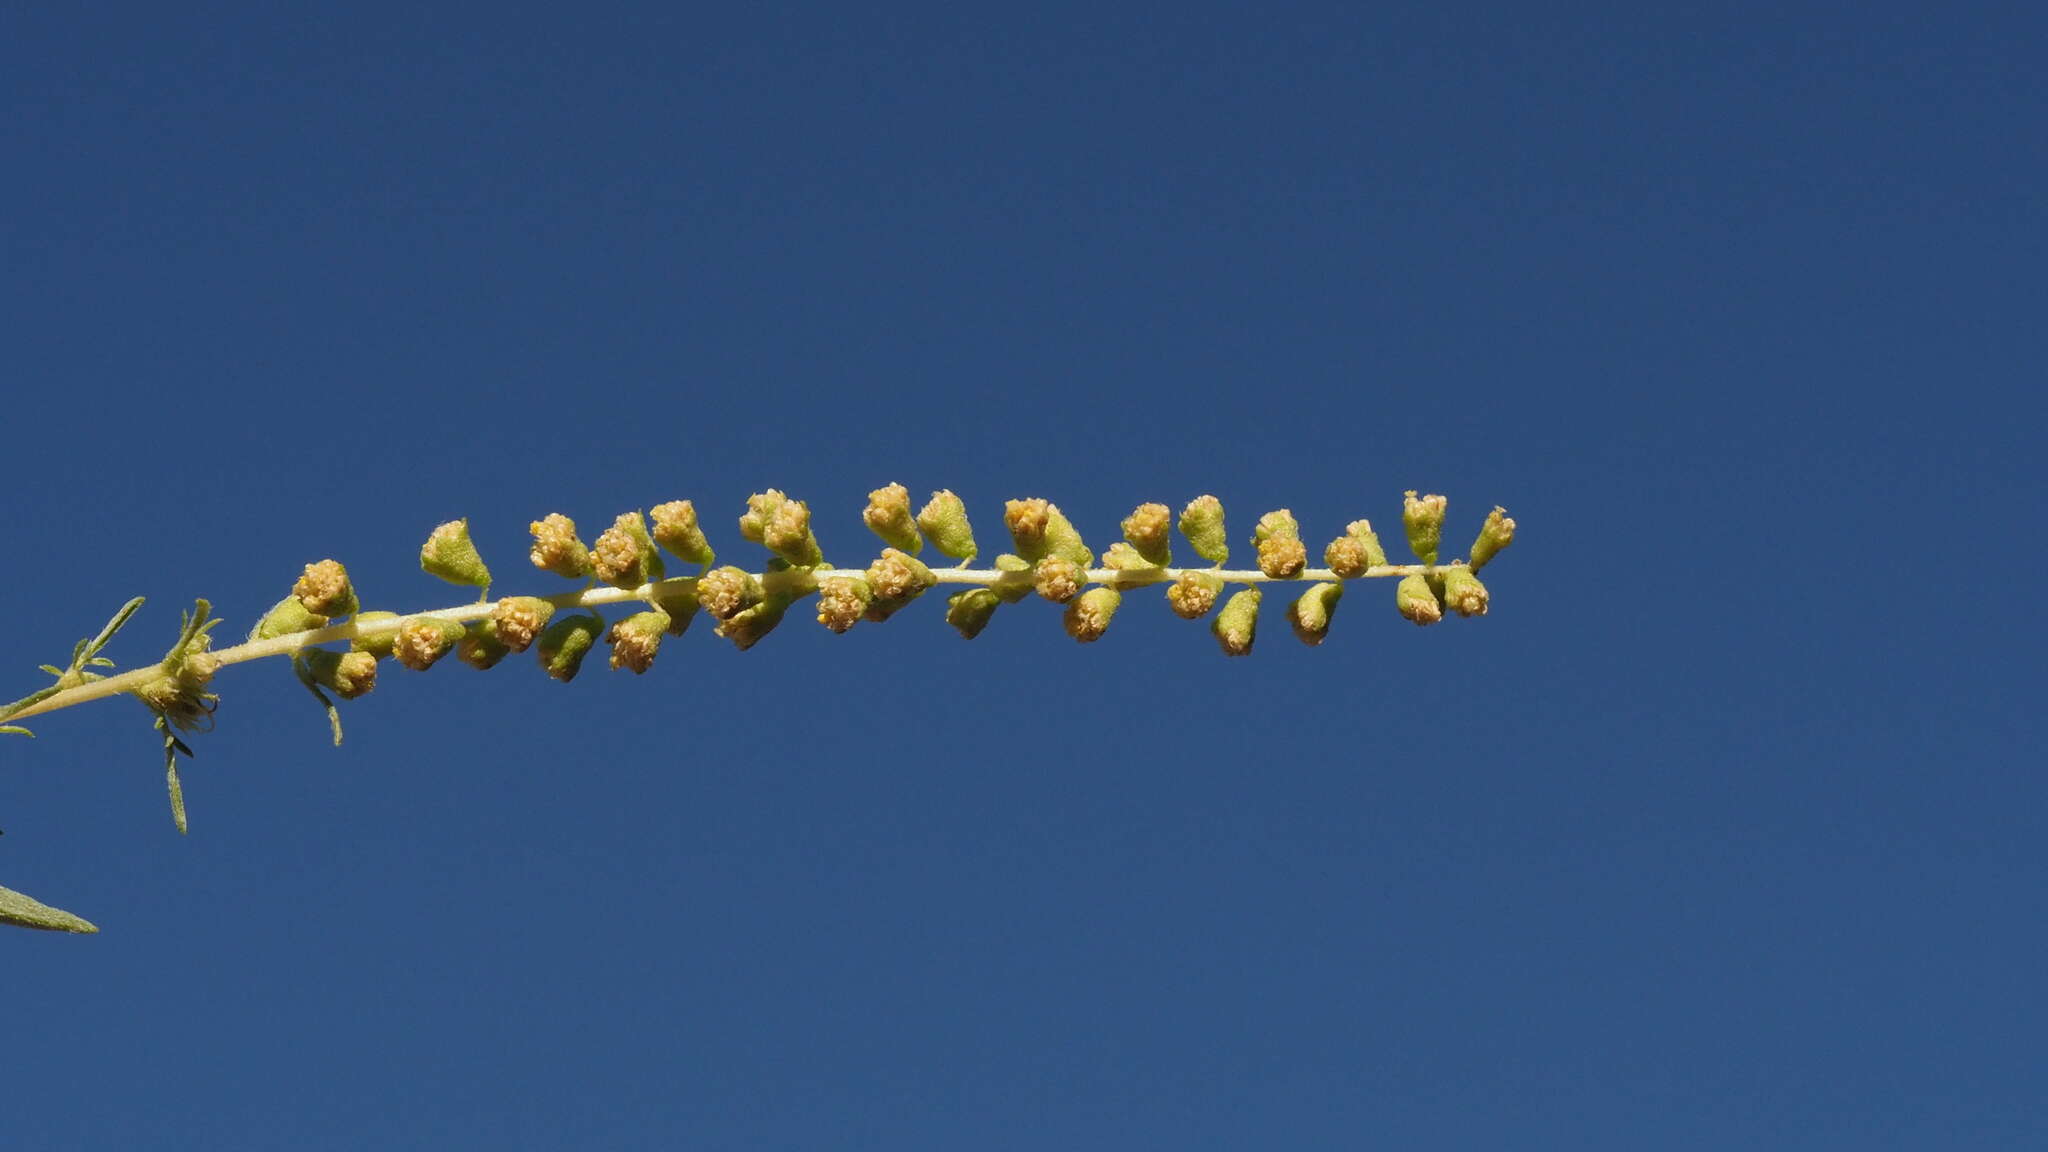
(650, 593)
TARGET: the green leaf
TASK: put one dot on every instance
(25, 912)
(92, 647)
(172, 747)
(177, 790)
(35, 697)
(11, 730)
(84, 653)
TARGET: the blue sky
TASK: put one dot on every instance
(1724, 828)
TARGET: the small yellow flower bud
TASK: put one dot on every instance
(1017, 580)
(944, 519)
(348, 675)
(423, 640)
(637, 639)
(325, 590)
(1057, 579)
(888, 516)
(1310, 615)
(1463, 592)
(1351, 554)
(1345, 556)
(1027, 521)
(896, 579)
(1087, 618)
(1237, 625)
(761, 508)
(1497, 533)
(1149, 532)
(676, 529)
(517, 620)
(450, 555)
(1417, 601)
(1282, 557)
(557, 548)
(1202, 523)
(289, 615)
(624, 556)
(842, 600)
(481, 647)
(1423, 517)
(564, 644)
(787, 533)
(1278, 539)
(970, 610)
(1193, 594)
(896, 575)
(372, 637)
(728, 591)
(1039, 530)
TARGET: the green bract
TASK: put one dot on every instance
(285, 617)
(1497, 533)
(1310, 614)
(1238, 623)
(1202, 523)
(565, 643)
(333, 647)
(1423, 517)
(944, 519)
(449, 554)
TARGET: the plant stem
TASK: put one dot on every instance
(595, 596)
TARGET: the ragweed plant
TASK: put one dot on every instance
(336, 647)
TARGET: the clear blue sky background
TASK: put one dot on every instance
(1725, 829)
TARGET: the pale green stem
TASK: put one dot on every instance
(604, 594)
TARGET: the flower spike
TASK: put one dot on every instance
(334, 647)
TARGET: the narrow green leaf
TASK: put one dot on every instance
(13, 731)
(93, 646)
(26, 912)
(35, 697)
(177, 790)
